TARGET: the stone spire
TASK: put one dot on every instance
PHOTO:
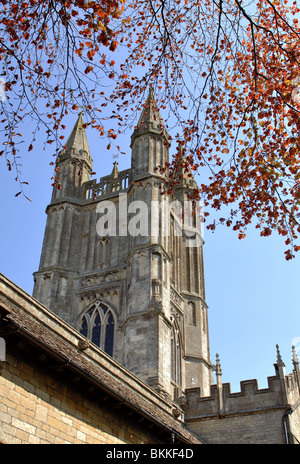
(77, 144)
(74, 164)
(150, 119)
(149, 142)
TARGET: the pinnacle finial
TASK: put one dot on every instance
(151, 91)
(77, 138)
(294, 356)
(279, 358)
(218, 365)
(115, 171)
(150, 119)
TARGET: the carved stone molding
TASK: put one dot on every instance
(157, 308)
(175, 314)
(63, 275)
(175, 297)
(97, 294)
(94, 280)
(56, 208)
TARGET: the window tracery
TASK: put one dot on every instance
(176, 356)
(98, 325)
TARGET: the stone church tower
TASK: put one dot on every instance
(120, 265)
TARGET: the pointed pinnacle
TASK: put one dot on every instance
(78, 139)
(295, 356)
(150, 111)
(218, 365)
(150, 119)
(182, 170)
(279, 359)
(115, 171)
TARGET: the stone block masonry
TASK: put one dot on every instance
(251, 416)
(57, 388)
(36, 408)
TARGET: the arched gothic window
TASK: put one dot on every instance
(175, 356)
(98, 325)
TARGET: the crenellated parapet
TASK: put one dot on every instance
(250, 397)
(251, 415)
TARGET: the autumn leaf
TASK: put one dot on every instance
(225, 76)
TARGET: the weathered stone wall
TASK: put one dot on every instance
(38, 408)
(251, 416)
(294, 425)
(57, 388)
(262, 427)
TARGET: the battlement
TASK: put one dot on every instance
(282, 390)
(250, 416)
(249, 397)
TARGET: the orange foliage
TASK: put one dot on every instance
(227, 75)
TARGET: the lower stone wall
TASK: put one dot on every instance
(264, 427)
(252, 416)
(39, 408)
(294, 425)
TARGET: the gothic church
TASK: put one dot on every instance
(138, 296)
(124, 309)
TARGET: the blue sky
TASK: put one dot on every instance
(252, 292)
